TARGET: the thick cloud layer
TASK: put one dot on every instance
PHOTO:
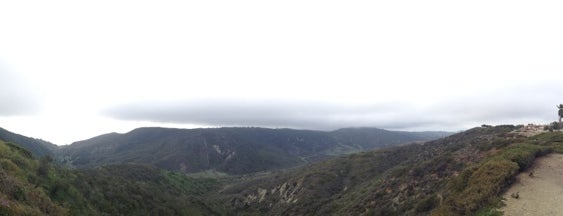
(524, 104)
(413, 65)
(230, 112)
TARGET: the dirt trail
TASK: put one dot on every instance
(541, 194)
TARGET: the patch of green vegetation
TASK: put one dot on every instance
(213, 174)
(38, 187)
(489, 211)
(478, 188)
(523, 154)
(483, 185)
(498, 143)
(38, 148)
(195, 186)
(19, 194)
(426, 204)
(554, 140)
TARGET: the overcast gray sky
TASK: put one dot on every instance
(70, 70)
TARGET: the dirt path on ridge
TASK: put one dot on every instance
(541, 194)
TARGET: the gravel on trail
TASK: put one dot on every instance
(539, 193)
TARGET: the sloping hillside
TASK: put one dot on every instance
(37, 187)
(229, 150)
(459, 175)
(37, 147)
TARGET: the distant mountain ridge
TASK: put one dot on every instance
(229, 150)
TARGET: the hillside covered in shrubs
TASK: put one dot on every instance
(463, 174)
(38, 187)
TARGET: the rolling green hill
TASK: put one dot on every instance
(37, 147)
(229, 150)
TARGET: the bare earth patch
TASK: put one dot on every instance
(540, 194)
(530, 130)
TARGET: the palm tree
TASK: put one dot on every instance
(560, 112)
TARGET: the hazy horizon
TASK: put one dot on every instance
(73, 70)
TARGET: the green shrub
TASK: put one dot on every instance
(459, 183)
(485, 184)
(426, 204)
(491, 211)
(8, 166)
(20, 150)
(523, 154)
(478, 188)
